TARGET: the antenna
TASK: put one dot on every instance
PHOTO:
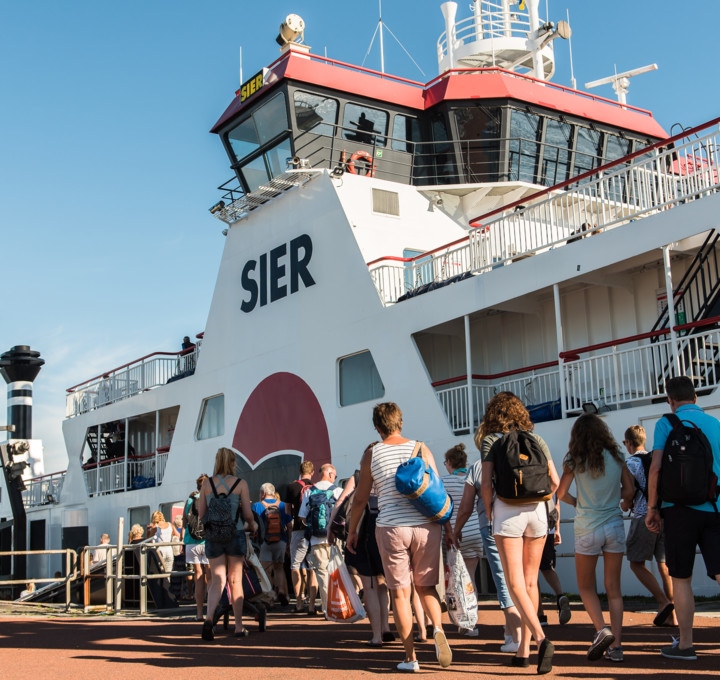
(241, 80)
(379, 27)
(621, 81)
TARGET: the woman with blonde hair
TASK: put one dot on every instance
(163, 532)
(226, 559)
(602, 480)
(519, 527)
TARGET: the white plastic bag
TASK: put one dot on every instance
(460, 596)
(343, 602)
(253, 562)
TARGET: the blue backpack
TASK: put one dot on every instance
(320, 504)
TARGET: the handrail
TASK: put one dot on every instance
(49, 474)
(596, 171)
(572, 353)
(490, 376)
(181, 352)
(641, 336)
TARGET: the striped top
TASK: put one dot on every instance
(395, 509)
(455, 486)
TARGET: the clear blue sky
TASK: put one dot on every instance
(107, 167)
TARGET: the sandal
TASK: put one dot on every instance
(417, 638)
(242, 633)
(371, 643)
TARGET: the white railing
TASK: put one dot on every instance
(657, 180)
(630, 375)
(144, 374)
(111, 476)
(43, 490)
(631, 372)
(535, 386)
(492, 22)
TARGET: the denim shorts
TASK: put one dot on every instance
(609, 537)
(235, 548)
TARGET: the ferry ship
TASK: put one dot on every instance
(424, 243)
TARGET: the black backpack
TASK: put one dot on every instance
(193, 523)
(220, 525)
(521, 469)
(646, 459)
(686, 477)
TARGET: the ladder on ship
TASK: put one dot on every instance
(698, 296)
(92, 441)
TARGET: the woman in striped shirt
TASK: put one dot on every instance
(407, 540)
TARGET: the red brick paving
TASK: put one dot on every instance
(302, 648)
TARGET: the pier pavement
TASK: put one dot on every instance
(37, 643)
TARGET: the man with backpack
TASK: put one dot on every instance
(683, 474)
(194, 540)
(299, 545)
(642, 544)
(275, 522)
(316, 508)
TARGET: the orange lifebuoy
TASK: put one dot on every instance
(369, 163)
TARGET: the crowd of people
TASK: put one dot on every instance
(394, 551)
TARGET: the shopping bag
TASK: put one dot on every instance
(460, 595)
(266, 592)
(343, 602)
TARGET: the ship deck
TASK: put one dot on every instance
(54, 645)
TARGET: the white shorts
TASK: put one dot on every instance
(514, 521)
(195, 553)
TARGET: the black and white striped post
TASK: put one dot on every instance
(19, 367)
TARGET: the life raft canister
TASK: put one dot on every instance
(366, 158)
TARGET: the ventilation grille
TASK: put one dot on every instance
(386, 202)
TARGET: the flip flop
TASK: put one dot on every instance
(243, 633)
(663, 615)
(370, 643)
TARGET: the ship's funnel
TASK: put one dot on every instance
(449, 10)
(20, 367)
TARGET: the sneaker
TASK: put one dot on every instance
(409, 666)
(602, 640)
(674, 652)
(509, 646)
(469, 632)
(564, 613)
(442, 648)
(614, 654)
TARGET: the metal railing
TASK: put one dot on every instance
(43, 490)
(115, 475)
(614, 195)
(137, 376)
(71, 562)
(493, 21)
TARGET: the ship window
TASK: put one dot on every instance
(405, 131)
(588, 150)
(364, 125)
(140, 515)
(617, 147)
(264, 124)
(556, 152)
(315, 113)
(524, 147)
(479, 129)
(359, 379)
(212, 417)
(439, 156)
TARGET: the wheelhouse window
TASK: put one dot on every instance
(555, 166)
(479, 132)
(256, 152)
(359, 379)
(405, 131)
(588, 150)
(315, 113)
(364, 125)
(525, 131)
(211, 422)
